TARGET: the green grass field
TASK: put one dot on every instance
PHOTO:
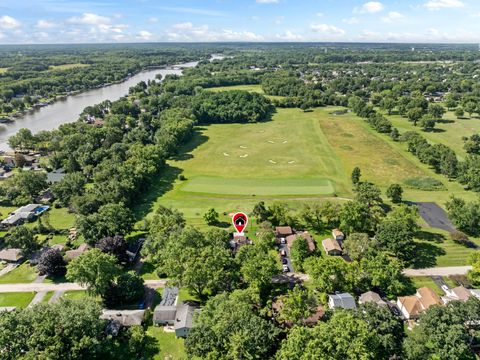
(67, 67)
(448, 132)
(3, 70)
(22, 274)
(250, 88)
(169, 347)
(20, 300)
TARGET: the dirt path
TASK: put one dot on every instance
(438, 271)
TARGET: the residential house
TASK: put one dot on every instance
(281, 232)
(24, 213)
(55, 176)
(238, 241)
(338, 235)
(72, 254)
(332, 247)
(124, 317)
(341, 301)
(11, 255)
(165, 311)
(412, 306)
(305, 234)
(460, 293)
(184, 320)
(373, 297)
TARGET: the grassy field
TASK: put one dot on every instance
(3, 70)
(426, 281)
(169, 347)
(20, 300)
(250, 88)
(67, 67)
(448, 132)
(22, 274)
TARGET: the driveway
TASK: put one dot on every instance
(289, 261)
(438, 271)
(434, 216)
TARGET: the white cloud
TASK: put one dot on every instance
(327, 29)
(351, 21)
(392, 16)
(320, 14)
(279, 20)
(153, 19)
(440, 4)
(89, 19)
(289, 36)
(372, 7)
(189, 32)
(145, 35)
(8, 22)
(45, 24)
(267, 1)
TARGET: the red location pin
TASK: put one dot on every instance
(240, 221)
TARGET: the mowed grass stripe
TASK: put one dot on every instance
(245, 186)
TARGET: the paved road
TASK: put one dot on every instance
(438, 271)
(40, 287)
(434, 216)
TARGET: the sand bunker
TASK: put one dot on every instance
(271, 142)
(225, 154)
(242, 147)
(285, 142)
(244, 156)
(272, 162)
(292, 162)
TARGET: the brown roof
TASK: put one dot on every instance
(337, 232)
(72, 254)
(411, 304)
(331, 245)
(462, 293)
(283, 230)
(428, 297)
(311, 244)
(11, 254)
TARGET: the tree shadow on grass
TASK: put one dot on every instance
(425, 255)
(435, 130)
(198, 138)
(167, 175)
(445, 121)
(430, 237)
(166, 178)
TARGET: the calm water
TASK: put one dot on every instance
(64, 111)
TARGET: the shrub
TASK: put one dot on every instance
(424, 183)
(461, 238)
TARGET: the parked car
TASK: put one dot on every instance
(283, 253)
(285, 268)
(284, 260)
(283, 241)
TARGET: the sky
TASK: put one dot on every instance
(88, 21)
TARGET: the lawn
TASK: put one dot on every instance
(448, 132)
(22, 274)
(250, 88)
(75, 294)
(426, 281)
(47, 297)
(20, 300)
(61, 218)
(169, 346)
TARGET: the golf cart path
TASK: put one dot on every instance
(41, 287)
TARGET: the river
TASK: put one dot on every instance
(68, 110)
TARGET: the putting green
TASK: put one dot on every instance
(239, 186)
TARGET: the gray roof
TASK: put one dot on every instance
(22, 213)
(124, 317)
(371, 296)
(11, 254)
(345, 301)
(164, 314)
(53, 177)
(184, 318)
(169, 296)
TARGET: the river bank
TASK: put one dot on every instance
(69, 108)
